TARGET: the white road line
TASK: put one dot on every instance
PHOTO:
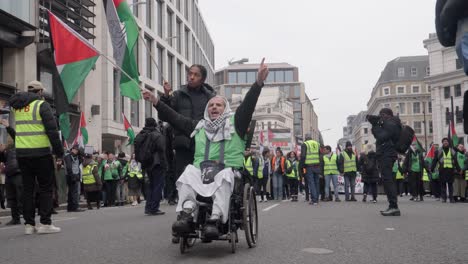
(270, 207)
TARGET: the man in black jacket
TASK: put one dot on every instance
(73, 175)
(386, 131)
(34, 155)
(156, 170)
(414, 167)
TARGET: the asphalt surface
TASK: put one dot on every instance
(347, 232)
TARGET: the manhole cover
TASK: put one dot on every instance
(317, 250)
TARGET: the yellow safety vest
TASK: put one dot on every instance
(312, 154)
(133, 173)
(260, 168)
(425, 176)
(349, 162)
(448, 159)
(249, 167)
(292, 174)
(88, 177)
(399, 175)
(330, 167)
(466, 175)
(30, 131)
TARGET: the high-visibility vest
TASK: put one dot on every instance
(399, 175)
(312, 153)
(248, 165)
(88, 177)
(349, 162)
(260, 168)
(447, 160)
(292, 174)
(30, 131)
(330, 167)
(466, 175)
(425, 176)
(415, 163)
(135, 172)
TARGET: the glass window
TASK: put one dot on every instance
(288, 76)
(186, 9)
(271, 77)
(232, 77)
(428, 71)
(365, 130)
(458, 91)
(179, 36)
(431, 128)
(187, 38)
(458, 64)
(297, 129)
(414, 71)
(170, 33)
(386, 91)
(415, 88)
(160, 18)
(135, 113)
(149, 105)
(400, 89)
(447, 92)
(417, 127)
(149, 7)
(279, 76)
(160, 63)
(179, 73)
(178, 4)
(297, 105)
(135, 8)
(297, 91)
(149, 63)
(115, 96)
(170, 69)
(241, 77)
(228, 92)
(416, 108)
(401, 72)
(251, 77)
(429, 107)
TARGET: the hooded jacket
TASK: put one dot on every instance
(182, 103)
(386, 135)
(159, 146)
(21, 100)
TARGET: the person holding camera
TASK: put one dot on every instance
(386, 129)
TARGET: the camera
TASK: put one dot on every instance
(374, 120)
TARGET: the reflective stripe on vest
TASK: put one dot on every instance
(425, 176)
(329, 165)
(349, 163)
(447, 160)
(466, 175)
(133, 173)
(312, 154)
(30, 131)
(293, 172)
(260, 168)
(88, 177)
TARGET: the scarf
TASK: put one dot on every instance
(218, 129)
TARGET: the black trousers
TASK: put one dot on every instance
(14, 195)
(286, 191)
(446, 179)
(386, 171)
(182, 158)
(111, 188)
(154, 189)
(40, 169)
(73, 196)
(170, 190)
(262, 187)
(435, 187)
(399, 186)
(293, 186)
(306, 189)
(371, 189)
(416, 184)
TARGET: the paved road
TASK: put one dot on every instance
(427, 232)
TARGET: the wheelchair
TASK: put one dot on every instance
(242, 215)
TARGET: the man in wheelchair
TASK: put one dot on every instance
(219, 148)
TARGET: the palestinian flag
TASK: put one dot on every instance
(452, 134)
(124, 32)
(430, 154)
(129, 129)
(82, 135)
(418, 144)
(74, 58)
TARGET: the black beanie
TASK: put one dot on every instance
(150, 122)
(348, 144)
(387, 111)
(445, 139)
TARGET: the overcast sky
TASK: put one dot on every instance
(340, 46)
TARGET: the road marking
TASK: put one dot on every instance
(318, 250)
(285, 201)
(58, 220)
(390, 229)
(270, 207)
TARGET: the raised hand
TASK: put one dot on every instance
(262, 73)
(149, 96)
(5, 122)
(167, 88)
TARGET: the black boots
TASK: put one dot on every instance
(391, 212)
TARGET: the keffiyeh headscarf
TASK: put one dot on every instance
(219, 129)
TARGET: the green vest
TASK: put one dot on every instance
(399, 175)
(415, 163)
(447, 159)
(330, 167)
(461, 160)
(425, 176)
(233, 149)
(88, 177)
(349, 162)
(313, 152)
(30, 131)
(114, 168)
(292, 174)
(108, 173)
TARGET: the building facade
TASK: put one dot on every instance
(402, 88)
(172, 37)
(447, 80)
(237, 78)
(347, 132)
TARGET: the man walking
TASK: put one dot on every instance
(311, 162)
(348, 168)
(36, 132)
(386, 129)
(72, 164)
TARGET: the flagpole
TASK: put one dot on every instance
(152, 57)
(120, 69)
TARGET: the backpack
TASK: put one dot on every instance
(143, 149)
(405, 139)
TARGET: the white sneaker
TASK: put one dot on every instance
(134, 203)
(48, 229)
(29, 229)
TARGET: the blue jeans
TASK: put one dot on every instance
(156, 178)
(312, 176)
(333, 178)
(277, 181)
(350, 181)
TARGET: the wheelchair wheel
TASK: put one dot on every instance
(250, 216)
(233, 241)
(186, 243)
